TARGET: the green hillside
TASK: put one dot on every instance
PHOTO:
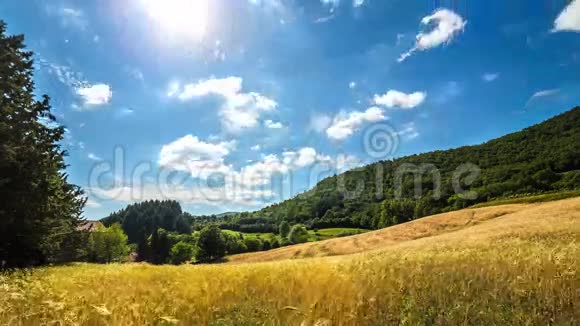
(541, 158)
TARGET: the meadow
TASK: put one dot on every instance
(506, 265)
(313, 235)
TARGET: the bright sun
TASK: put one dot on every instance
(179, 18)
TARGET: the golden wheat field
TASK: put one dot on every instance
(504, 265)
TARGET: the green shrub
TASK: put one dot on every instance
(182, 252)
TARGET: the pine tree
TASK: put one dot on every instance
(39, 208)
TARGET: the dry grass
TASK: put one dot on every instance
(516, 269)
(421, 228)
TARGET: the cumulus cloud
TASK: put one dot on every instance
(195, 156)
(250, 184)
(239, 111)
(490, 76)
(394, 98)
(262, 171)
(200, 194)
(95, 95)
(352, 85)
(273, 125)
(345, 125)
(256, 147)
(569, 18)
(228, 87)
(358, 3)
(446, 25)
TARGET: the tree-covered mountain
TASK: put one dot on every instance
(544, 157)
(541, 158)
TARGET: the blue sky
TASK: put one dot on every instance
(231, 105)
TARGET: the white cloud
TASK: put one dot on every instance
(200, 194)
(409, 131)
(273, 125)
(490, 76)
(95, 95)
(569, 18)
(92, 203)
(447, 23)
(64, 74)
(228, 87)
(262, 172)
(256, 147)
(358, 3)
(346, 124)
(394, 98)
(546, 92)
(240, 110)
(541, 94)
(202, 159)
(94, 157)
(320, 122)
(195, 156)
(352, 85)
(248, 185)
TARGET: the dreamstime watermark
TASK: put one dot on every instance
(190, 178)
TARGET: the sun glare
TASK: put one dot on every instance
(179, 18)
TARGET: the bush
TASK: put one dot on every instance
(253, 244)
(182, 252)
(298, 234)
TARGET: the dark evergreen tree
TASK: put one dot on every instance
(39, 209)
(160, 247)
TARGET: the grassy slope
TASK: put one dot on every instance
(517, 268)
(420, 228)
(531, 199)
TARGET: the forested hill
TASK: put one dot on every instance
(541, 158)
(140, 220)
(544, 157)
